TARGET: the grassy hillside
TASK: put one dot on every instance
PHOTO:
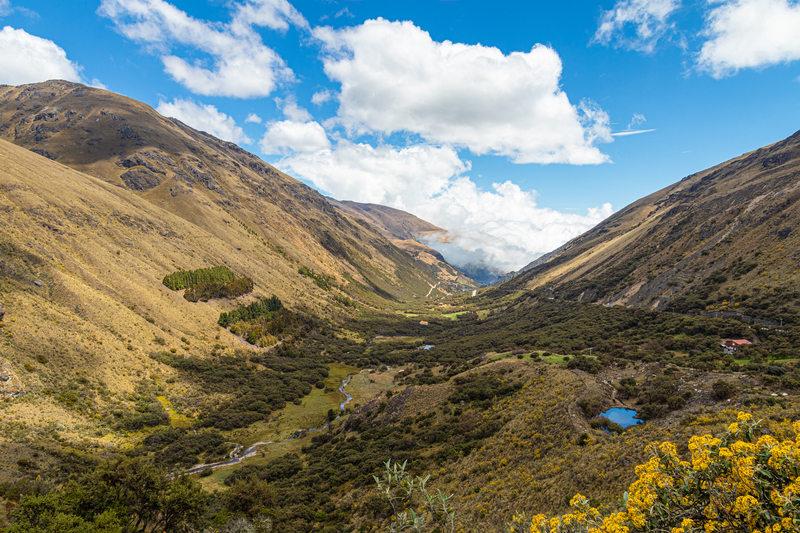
(211, 183)
(723, 240)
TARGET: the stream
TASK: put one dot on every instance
(235, 459)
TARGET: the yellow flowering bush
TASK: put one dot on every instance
(740, 481)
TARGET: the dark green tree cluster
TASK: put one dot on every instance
(203, 292)
(184, 279)
(255, 310)
(121, 496)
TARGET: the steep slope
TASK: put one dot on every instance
(724, 240)
(404, 230)
(213, 184)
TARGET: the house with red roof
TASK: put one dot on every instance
(730, 345)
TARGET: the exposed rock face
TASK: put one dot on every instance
(2, 312)
(140, 179)
(10, 384)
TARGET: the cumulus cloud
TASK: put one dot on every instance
(395, 78)
(252, 118)
(297, 134)
(243, 66)
(501, 230)
(290, 136)
(29, 59)
(750, 34)
(636, 24)
(204, 118)
(320, 97)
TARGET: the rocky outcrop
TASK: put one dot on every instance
(140, 179)
(10, 384)
(2, 312)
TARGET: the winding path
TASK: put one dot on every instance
(251, 450)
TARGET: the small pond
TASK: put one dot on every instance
(623, 417)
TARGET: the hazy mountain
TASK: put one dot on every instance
(406, 231)
(724, 239)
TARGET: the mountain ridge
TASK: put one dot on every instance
(687, 237)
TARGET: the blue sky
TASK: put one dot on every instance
(514, 127)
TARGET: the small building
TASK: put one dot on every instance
(423, 322)
(730, 345)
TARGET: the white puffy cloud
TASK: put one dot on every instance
(297, 134)
(204, 118)
(647, 19)
(397, 177)
(320, 97)
(750, 34)
(29, 59)
(395, 78)
(502, 229)
(289, 136)
(252, 118)
(243, 66)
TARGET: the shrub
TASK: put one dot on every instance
(732, 483)
(723, 390)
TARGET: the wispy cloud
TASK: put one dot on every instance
(243, 66)
(636, 24)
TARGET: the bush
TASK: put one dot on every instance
(723, 390)
(732, 483)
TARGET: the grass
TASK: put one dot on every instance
(175, 419)
(483, 314)
(311, 413)
(415, 340)
(454, 316)
(366, 386)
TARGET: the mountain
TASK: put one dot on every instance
(724, 240)
(404, 231)
(213, 184)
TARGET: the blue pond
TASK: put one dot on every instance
(623, 417)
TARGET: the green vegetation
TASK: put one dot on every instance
(203, 292)
(263, 308)
(184, 279)
(252, 395)
(322, 281)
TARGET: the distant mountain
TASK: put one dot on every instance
(723, 241)
(216, 185)
(404, 231)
